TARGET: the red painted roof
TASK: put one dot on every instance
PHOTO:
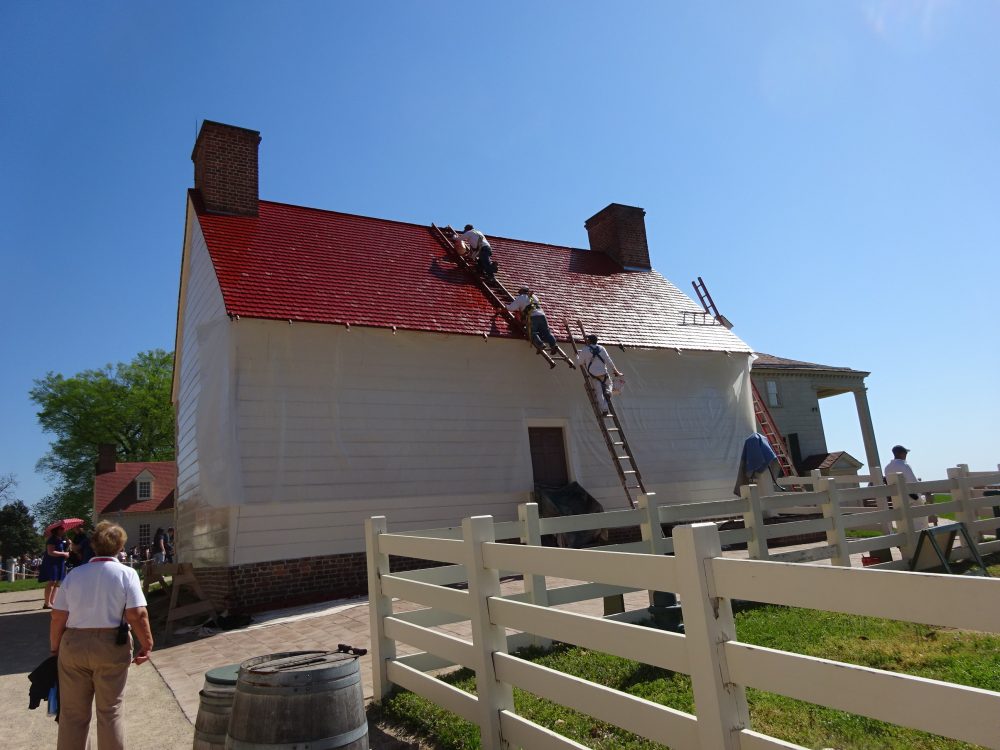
(304, 264)
(115, 491)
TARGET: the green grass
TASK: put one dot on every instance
(25, 585)
(963, 658)
(942, 498)
(862, 533)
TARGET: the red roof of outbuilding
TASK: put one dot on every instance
(115, 491)
(304, 264)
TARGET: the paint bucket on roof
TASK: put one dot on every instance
(299, 699)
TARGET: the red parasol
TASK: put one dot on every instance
(66, 523)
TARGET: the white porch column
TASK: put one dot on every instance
(867, 429)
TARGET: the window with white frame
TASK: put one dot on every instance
(773, 399)
(144, 489)
(143, 534)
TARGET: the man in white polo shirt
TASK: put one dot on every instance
(898, 465)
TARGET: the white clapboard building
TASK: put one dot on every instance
(330, 367)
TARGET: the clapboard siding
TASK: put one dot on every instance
(202, 534)
(799, 411)
(333, 426)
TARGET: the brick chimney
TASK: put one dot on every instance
(620, 231)
(225, 168)
(107, 456)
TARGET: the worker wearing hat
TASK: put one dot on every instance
(479, 249)
(596, 362)
(898, 465)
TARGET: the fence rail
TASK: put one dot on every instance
(721, 667)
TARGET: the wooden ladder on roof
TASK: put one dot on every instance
(499, 296)
(614, 435)
(768, 427)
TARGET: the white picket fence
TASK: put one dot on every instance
(15, 571)
(720, 667)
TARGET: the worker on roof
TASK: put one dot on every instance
(596, 362)
(526, 303)
(473, 244)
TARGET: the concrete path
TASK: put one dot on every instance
(153, 718)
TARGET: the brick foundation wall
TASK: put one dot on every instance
(287, 583)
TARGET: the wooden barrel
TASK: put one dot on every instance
(214, 708)
(299, 700)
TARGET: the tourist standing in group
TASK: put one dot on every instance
(53, 568)
(90, 636)
(160, 546)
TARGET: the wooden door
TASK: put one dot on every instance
(548, 456)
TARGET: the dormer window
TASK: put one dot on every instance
(144, 485)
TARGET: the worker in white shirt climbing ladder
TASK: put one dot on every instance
(597, 363)
(478, 248)
(534, 320)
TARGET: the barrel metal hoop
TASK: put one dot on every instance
(314, 687)
(212, 739)
(218, 710)
(324, 743)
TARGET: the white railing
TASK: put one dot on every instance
(16, 571)
(841, 501)
(721, 667)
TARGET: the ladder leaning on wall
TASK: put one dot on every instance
(769, 430)
(499, 297)
(614, 435)
(768, 427)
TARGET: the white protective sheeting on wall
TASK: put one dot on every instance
(201, 358)
(312, 428)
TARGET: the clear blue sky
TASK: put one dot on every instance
(830, 168)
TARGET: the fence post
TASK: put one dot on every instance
(649, 527)
(662, 604)
(708, 626)
(753, 520)
(960, 491)
(836, 536)
(816, 477)
(534, 585)
(901, 504)
(492, 695)
(379, 607)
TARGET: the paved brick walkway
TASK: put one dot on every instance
(183, 666)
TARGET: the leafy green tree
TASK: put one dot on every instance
(127, 404)
(17, 527)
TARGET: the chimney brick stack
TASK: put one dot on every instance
(107, 456)
(620, 231)
(225, 168)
